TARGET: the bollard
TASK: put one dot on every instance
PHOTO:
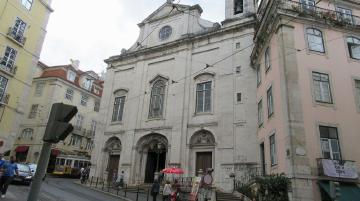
(117, 191)
(125, 189)
(97, 179)
(91, 181)
(137, 193)
(148, 192)
(108, 186)
(103, 183)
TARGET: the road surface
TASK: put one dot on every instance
(58, 189)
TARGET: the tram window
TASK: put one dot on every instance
(81, 164)
(57, 162)
(68, 162)
(76, 163)
(62, 161)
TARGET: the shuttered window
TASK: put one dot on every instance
(315, 40)
(322, 91)
(330, 142)
(203, 97)
(118, 108)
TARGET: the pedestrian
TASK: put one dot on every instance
(155, 188)
(121, 180)
(167, 191)
(2, 161)
(10, 169)
(161, 177)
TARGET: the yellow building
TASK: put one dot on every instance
(22, 32)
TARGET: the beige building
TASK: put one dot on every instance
(182, 96)
(69, 85)
(307, 56)
(22, 32)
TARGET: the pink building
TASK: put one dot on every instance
(307, 56)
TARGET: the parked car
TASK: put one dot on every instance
(32, 168)
(25, 176)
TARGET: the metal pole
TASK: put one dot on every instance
(137, 193)
(125, 189)
(148, 192)
(157, 162)
(40, 172)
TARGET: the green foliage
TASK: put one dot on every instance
(273, 188)
(247, 191)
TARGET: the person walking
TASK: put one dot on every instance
(167, 191)
(10, 169)
(155, 188)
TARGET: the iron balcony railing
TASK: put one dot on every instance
(332, 16)
(4, 99)
(18, 37)
(340, 169)
(4, 67)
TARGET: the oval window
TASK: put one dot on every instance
(165, 32)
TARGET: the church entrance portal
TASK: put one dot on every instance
(113, 150)
(203, 161)
(151, 163)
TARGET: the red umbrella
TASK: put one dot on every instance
(172, 170)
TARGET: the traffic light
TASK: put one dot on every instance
(58, 126)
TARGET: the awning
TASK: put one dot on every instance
(21, 149)
(55, 152)
(349, 192)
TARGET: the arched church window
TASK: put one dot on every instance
(165, 32)
(157, 99)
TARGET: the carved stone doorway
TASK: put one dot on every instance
(112, 150)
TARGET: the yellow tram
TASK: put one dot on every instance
(70, 165)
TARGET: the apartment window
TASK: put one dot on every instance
(93, 126)
(270, 102)
(308, 4)
(237, 45)
(3, 83)
(315, 40)
(89, 144)
(9, 58)
(322, 87)
(33, 111)
(27, 133)
(71, 75)
(357, 90)
(344, 15)
(157, 99)
(238, 6)
(84, 99)
(260, 113)
(273, 157)
(96, 106)
(76, 140)
(258, 75)
(330, 142)
(118, 108)
(203, 97)
(17, 32)
(39, 88)
(267, 59)
(79, 122)
(354, 47)
(27, 3)
(238, 69)
(238, 97)
(87, 84)
(69, 94)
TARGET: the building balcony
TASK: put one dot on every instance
(17, 38)
(4, 99)
(341, 170)
(329, 16)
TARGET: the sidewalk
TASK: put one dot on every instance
(134, 193)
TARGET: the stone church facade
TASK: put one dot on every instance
(183, 95)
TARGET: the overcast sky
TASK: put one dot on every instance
(93, 30)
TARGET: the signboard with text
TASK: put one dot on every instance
(339, 169)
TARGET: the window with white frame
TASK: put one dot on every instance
(76, 140)
(87, 83)
(39, 88)
(79, 122)
(315, 40)
(258, 75)
(17, 32)
(69, 94)
(157, 99)
(8, 60)
(322, 91)
(93, 126)
(203, 97)
(84, 99)
(267, 59)
(273, 157)
(3, 84)
(96, 106)
(238, 6)
(344, 15)
(353, 47)
(33, 111)
(260, 113)
(308, 4)
(71, 75)
(270, 102)
(89, 144)
(330, 146)
(27, 133)
(27, 3)
(357, 93)
(118, 109)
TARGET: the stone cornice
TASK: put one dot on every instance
(153, 129)
(203, 125)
